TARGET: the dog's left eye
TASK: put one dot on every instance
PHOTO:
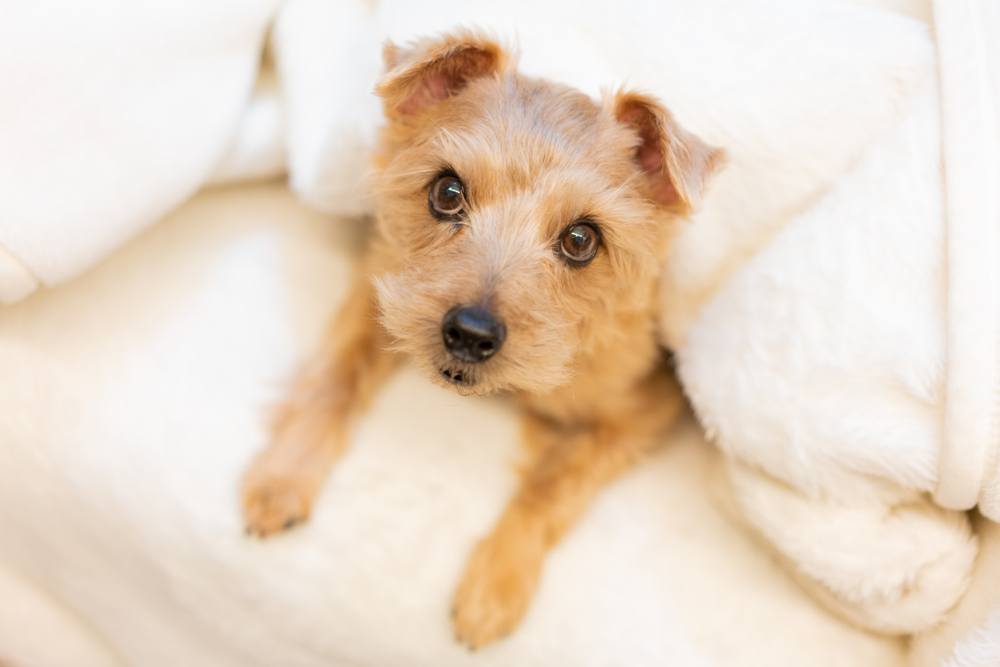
(447, 197)
(579, 243)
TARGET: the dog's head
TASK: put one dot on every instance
(524, 219)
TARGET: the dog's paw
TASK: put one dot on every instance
(498, 584)
(274, 504)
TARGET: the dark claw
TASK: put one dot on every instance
(290, 523)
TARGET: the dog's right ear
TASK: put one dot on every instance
(431, 70)
(677, 164)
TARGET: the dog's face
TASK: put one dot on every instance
(523, 218)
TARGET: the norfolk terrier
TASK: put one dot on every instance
(519, 230)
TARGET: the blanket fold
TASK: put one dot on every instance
(968, 34)
(114, 113)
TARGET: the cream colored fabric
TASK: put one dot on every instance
(845, 353)
(968, 35)
(37, 629)
(970, 636)
(134, 397)
(114, 112)
(16, 281)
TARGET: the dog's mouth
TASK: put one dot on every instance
(458, 377)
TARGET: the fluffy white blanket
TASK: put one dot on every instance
(835, 316)
(859, 338)
(114, 113)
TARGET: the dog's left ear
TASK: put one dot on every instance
(677, 164)
(432, 70)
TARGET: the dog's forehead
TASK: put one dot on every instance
(515, 129)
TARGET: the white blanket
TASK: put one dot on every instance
(859, 339)
(120, 112)
(114, 112)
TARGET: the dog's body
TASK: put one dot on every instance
(519, 226)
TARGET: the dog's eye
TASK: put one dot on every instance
(447, 197)
(579, 243)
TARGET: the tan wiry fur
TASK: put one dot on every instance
(580, 352)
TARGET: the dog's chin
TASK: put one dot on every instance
(481, 379)
(463, 380)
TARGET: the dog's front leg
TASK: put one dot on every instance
(571, 465)
(312, 425)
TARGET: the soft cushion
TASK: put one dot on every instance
(135, 397)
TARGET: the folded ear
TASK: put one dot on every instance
(677, 164)
(431, 70)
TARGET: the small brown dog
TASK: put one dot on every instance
(519, 230)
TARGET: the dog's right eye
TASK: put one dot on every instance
(447, 198)
(579, 242)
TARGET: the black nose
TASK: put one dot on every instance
(472, 334)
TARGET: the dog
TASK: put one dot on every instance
(519, 230)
